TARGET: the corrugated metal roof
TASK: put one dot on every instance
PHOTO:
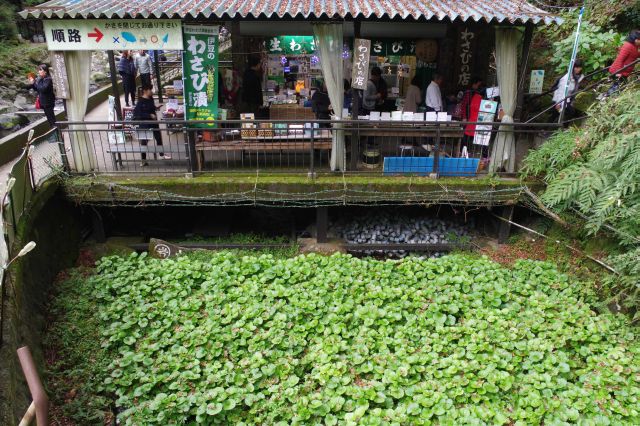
(507, 11)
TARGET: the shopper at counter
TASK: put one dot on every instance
(414, 96)
(434, 95)
(371, 94)
(320, 102)
(252, 87)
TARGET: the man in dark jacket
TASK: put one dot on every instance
(127, 70)
(146, 110)
(252, 87)
(320, 103)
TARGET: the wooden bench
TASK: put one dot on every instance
(252, 146)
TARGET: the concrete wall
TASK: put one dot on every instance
(54, 223)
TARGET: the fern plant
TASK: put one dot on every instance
(596, 168)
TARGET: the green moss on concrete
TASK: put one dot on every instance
(265, 187)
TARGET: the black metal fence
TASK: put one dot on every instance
(301, 146)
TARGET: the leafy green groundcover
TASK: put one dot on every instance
(341, 340)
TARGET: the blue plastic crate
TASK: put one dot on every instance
(423, 166)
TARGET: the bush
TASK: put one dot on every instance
(597, 48)
(8, 29)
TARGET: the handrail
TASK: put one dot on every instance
(586, 77)
(360, 123)
(585, 89)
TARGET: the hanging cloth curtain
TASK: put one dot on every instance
(328, 38)
(503, 155)
(79, 72)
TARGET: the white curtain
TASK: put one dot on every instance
(79, 72)
(329, 44)
(503, 154)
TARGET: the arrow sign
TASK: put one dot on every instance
(97, 34)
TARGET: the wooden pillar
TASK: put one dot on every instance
(355, 109)
(523, 67)
(156, 66)
(322, 223)
(504, 228)
(114, 84)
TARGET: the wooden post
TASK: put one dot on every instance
(355, 109)
(524, 67)
(505, 227)
(322, 223)
(114, 84)
(156, 66)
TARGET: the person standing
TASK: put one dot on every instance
(434, 95)
(127, 70)
(43, 84)
(371, 93)
(144, 66)
(573, 81)
(320, 103)
(470, 109)
(146, 110)
(621, 69)
(413, 97)
(252, 87)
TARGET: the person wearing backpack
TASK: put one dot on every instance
(621, 69)
(573, 80)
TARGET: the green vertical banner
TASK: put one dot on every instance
(200, 70)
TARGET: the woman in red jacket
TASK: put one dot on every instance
(628, 54)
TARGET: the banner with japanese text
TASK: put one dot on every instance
(200, 70)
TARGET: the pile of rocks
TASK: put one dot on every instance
(390, 228)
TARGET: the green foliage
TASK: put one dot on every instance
(76, 361)
(625, 287)
(599, 173)
(339, 340)
(8, 29)
(554, 155)
(597, 47)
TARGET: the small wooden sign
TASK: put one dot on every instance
(59, 75)
(360, 71)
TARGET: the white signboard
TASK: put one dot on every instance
(115, 137)
(536, 82)
(487, 113)
(113, 34)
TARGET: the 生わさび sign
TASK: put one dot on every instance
(200, 70)
(113, 34)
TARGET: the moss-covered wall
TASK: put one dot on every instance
(53, 223)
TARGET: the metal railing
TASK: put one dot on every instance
(295, 146)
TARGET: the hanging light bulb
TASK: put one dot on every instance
(283, 60)
(314, 60)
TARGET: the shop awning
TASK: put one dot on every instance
(493, 11)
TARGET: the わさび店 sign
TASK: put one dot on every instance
(200, 65)
(113, 34)
(360, 70)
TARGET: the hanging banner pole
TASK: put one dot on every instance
(574, 53)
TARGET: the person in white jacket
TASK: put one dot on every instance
(434, 95)
(559, 102)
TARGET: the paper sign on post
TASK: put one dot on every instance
(536, 82)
